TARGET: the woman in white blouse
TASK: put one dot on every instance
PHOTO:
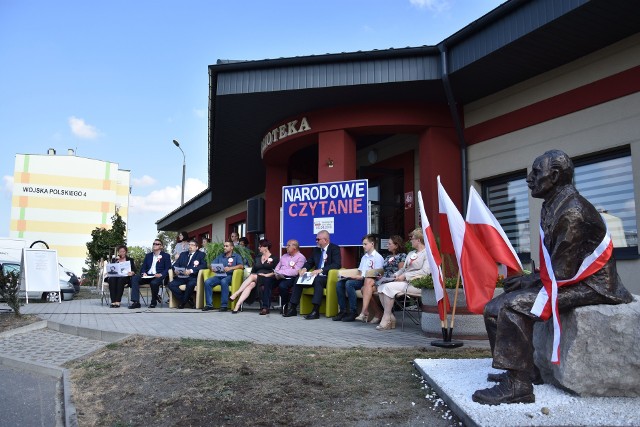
(415, 266)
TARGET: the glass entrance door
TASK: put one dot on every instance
(386, 193)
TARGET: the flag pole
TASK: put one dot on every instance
(444, 323)
(455, 304)
(446, 341)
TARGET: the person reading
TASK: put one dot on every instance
(326, 256)
(155, 268)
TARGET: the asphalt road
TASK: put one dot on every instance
(33, 403)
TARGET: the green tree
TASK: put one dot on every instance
(168, 239)
(138, 253)
(103, 243)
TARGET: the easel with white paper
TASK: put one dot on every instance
(39, 272)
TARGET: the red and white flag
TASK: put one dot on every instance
(478, 270)
(490, 232)
(434, 260)
(446, 244)
(543, 307)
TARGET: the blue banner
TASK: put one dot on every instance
(341, 208)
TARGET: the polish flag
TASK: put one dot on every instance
(491, 234)
(446, 244)
(478, 270)
(435, 262)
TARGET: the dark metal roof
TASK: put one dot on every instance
(562, 38)
(514, 42)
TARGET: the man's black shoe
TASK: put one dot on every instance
(338, 317)
(349, 317)
(511, 390)
(135, 304)
(152, 305)
(223, 309)
(291, 312)
(313, 315)
(207, 308)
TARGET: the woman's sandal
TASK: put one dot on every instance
(362, 317)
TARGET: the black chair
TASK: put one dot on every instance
(403, 301)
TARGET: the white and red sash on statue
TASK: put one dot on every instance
(544, 307)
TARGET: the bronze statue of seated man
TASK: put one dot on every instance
(573, 230)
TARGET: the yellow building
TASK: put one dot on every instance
(60, 199)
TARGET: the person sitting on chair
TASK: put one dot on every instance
(231, 261)
(326, 256)
(415, 266)
(392, 263)
(117, 284)
(155, 267)
(347, 287)
(192, 261)
(261, 275)
(286, 273)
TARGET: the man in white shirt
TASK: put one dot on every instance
(347, 286)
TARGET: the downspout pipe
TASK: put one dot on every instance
(457, 123)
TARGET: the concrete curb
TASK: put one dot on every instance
(451, 403)
(65, 410)
(21, 330)
(94, 334)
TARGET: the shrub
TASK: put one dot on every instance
(216, 248)
(9, 288)
(426, 282)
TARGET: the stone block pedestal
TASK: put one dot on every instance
(599, 350)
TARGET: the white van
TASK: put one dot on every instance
(10, 258)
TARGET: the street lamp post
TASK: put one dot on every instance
(184, 167)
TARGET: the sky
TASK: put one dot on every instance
(118, 80)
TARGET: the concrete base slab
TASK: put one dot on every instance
(455, 380)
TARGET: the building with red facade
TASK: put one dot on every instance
(475, 109)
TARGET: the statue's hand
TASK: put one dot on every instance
(512, 283)
(523, 281)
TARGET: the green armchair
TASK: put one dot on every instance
(330, 301)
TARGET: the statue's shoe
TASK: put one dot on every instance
(498, 378)
(511, 390)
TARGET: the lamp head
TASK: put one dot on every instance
(176, 143)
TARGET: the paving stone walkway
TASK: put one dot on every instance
(47, 346)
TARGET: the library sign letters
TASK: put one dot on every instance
(283, 131)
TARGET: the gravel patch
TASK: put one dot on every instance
(456, 380)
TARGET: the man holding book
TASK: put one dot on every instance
(186, 270)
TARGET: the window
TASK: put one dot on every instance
(240, 228)
(508, 199)
(606, 180)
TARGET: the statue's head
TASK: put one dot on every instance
(550, 171)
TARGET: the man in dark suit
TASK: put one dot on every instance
(572, 230)
(325, 257)
(154, 269)
(192, 261)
